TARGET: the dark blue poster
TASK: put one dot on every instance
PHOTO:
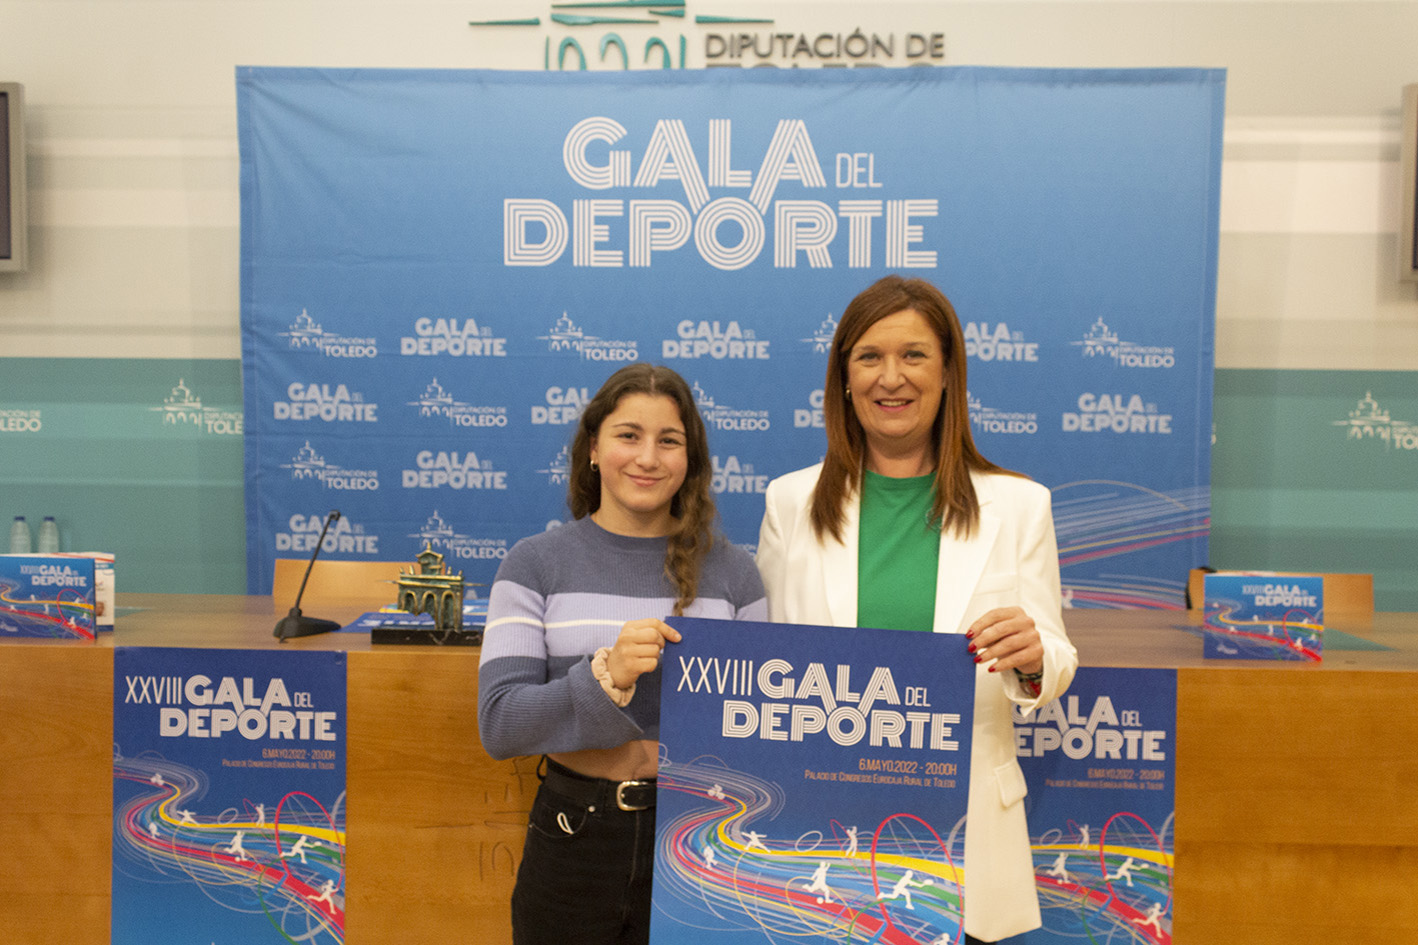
(228, 796)
(440, 267)
(1101, 767)
(813, 785)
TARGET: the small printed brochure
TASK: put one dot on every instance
(1264, 617)
(47, 596)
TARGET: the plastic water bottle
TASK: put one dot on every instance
(20, 537)
(48, 536)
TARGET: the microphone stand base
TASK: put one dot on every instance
(298, 625)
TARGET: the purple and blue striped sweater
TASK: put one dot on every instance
(557, 598)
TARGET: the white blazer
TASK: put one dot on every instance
(1011, 559)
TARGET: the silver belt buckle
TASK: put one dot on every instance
(620, 795)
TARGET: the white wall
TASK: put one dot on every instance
(133, 161)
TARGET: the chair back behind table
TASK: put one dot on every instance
(1346, 596)
(368, 585)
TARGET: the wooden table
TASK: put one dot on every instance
(1294, 792)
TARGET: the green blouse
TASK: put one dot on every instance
(898, 552)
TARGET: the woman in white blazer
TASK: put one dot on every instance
(904, 524)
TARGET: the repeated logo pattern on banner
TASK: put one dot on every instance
(439, 268)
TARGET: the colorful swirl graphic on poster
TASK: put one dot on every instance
(47, 598)
(228, 796)
(1100, 764)
(897, 880)
(812, 787)
(285, 862)
(1260, 617)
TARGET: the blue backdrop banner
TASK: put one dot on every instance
(440, 267)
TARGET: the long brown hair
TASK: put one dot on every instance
(955, 506)
(692, 506)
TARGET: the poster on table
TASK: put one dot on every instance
(1100, 763)
(1264, 617)
(228, 796)
(47, 597)
(812, 786)
(440, 267)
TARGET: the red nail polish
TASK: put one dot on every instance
(977, 659)
(970, 648)
(992, 669)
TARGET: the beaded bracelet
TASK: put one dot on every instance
(1033, 682)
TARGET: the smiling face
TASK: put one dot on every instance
(896, 380)
(641, 451)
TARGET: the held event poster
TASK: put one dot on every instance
(440, 267)
(1100, 763)
(813, 785)
(228, 796)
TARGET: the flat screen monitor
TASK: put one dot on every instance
(13, 242)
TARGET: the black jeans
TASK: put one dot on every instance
(585, 875)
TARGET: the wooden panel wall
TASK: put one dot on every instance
(56, 789)
(1295, 817)
(435, 826)
(1295, 813)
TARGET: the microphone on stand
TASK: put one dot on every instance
(295, 624)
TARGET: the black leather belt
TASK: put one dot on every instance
(599, 793)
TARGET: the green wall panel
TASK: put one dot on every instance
(126, 463)
(1318, 470)
(1303, 476)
